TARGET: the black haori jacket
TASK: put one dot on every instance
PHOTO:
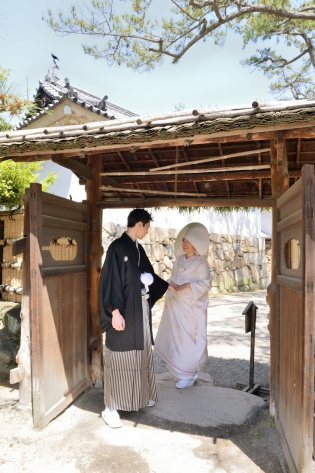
(120, 288)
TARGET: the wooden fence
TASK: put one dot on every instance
(62, 248)
(11, 228)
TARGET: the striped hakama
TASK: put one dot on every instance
(129, 381)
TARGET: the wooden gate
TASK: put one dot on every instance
(57, 292)
(295, 328)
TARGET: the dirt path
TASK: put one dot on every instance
(78, 441)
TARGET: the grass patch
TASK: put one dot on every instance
(15, 337)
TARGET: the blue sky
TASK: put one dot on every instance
(207, 76)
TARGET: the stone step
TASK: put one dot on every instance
(10, 312)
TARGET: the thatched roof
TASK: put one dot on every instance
(222, 154)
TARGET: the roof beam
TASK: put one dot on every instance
(81, 170)
(214, 158)
(186, 154)
(227, 185)
(298, 152)
(123, 159)
(187, 202)
(176, 161)
(148, 191)
(190, 171)
(220, 176)
(154, 159)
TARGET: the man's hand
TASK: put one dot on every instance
(118, 322)
(183, 287)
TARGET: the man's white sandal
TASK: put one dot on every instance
(151, 403)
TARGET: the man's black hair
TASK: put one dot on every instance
(138, 215)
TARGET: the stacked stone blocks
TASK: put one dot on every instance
(236, 263)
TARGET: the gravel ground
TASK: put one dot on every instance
(77, 441)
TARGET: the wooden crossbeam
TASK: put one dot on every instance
(188, 171)
(147, 191)
(176, 175)
(179, 201)
(154, 159)
(81, 169)
(213, 158)
(124, 160)
(185, 153)
(231, 176)
(227, 185)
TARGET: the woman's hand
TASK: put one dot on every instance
(172, 286)
(118, 322)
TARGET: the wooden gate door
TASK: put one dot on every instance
(295, 328)
(56, 265)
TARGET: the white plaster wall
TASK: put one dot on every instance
(234, 223)
(253, 223)
(67, 183)
(266, 222)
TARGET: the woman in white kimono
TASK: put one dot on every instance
(182, 335)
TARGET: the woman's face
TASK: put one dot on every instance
(188, 248)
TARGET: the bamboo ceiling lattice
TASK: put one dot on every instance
(218, 157)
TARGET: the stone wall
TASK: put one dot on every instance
(236, 263)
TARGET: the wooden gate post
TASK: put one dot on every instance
(279, 184)
(22, 374)
(93, 191)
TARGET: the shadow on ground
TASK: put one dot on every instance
(9, 345)
(79, 441)
(257, 438)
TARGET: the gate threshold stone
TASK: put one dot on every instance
(203, 404)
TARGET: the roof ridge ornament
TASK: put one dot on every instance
(69, 90)
(102, 103)
(50, 77)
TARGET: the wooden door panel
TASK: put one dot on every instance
(295, 321)
(54, 206)
(58, 304)
(63, 337)
(294, 232)
(291, 336)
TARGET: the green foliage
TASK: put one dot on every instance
(16, 337)
(15, 178)
(11, 102)
(4, 125)
(292, 70)
(221, 210)
(227, 210)
(140, 33)
(185, 210)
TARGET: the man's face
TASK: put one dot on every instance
(142, 230)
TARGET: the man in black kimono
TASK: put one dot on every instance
(128, 290)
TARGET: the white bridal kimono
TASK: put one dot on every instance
(182, 335)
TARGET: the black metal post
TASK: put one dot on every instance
(252, 347)
(250, 326)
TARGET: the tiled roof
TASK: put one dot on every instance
(52, 91)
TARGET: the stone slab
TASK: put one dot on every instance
(203, 404)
